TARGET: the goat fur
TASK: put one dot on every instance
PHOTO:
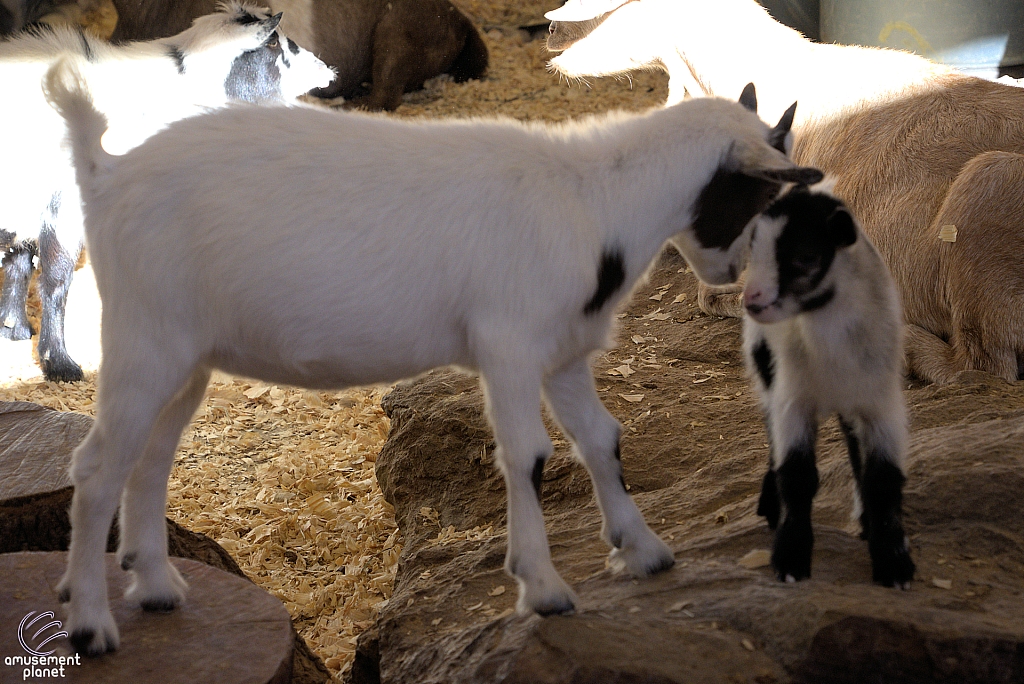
(382, 249)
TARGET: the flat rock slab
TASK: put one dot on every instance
(228, 630)
(694, 452)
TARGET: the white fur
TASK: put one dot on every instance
(137, 86)
(327, 250)
(695, 42)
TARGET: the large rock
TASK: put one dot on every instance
(694, 452)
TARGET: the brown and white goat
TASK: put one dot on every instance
(930, 160)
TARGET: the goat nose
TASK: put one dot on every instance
(551, 28)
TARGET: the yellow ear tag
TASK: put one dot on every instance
(948, 233)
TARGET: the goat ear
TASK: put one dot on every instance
(748, 98)
(271, 23)
(841, 227)
(767, 163)
(781, 137)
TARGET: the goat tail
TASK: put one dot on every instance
(65, 89)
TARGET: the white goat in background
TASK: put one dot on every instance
(331, 250)
(236, 54)
(823, 334)
(931, 161)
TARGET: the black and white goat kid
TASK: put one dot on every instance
(823, 335)
(236, 54)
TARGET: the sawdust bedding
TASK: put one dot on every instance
(283, 478)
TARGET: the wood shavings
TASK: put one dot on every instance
(942, 583)
(632, 398)
(283, 479)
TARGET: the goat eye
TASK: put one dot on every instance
(272, 43)
(806, 263)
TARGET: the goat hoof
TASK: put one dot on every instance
(62, 370)
(95, 640)
(893, 569)
(158, 587)
(548, 598)
(159, 605)
(791, 556)
(89, 643)
(646, 556)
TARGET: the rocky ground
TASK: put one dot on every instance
(694, 451)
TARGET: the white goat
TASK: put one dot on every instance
(330, 250)
(823, 335)
(236, 54)
(930, 160)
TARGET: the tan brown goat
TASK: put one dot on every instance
(913, 147)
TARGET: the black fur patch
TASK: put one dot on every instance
(806, 247)
(768, 503)
(254, 75)
(64, 595)
(178, 56)
(882, 492)
(618, 452)
(246, 18)
(292, 47)
(762, 356)
(818, 301)
(727, 204)
(797, 480)
(128, 561)
(538, 475)
(611, 274)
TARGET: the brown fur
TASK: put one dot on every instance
(147, 20)
(947, 152)
(395, 45)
